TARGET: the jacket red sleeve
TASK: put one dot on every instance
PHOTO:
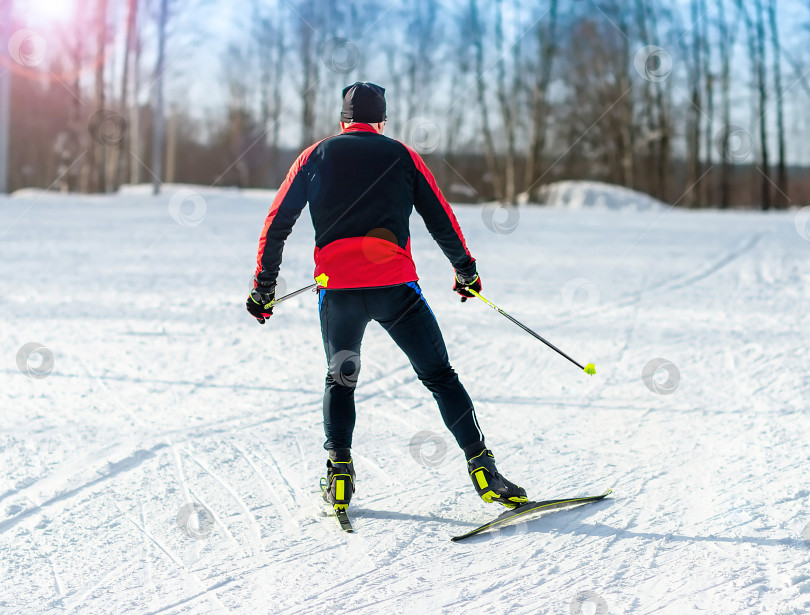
(439, 218)
(285, 210)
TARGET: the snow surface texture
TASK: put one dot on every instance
(163, 453)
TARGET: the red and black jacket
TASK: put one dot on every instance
(361, 187)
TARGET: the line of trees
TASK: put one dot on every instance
(698, 105)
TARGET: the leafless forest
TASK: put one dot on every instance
(698, 102)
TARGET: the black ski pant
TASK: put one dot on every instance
(405, 315)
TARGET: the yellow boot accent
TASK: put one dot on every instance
(481, 479)
(340, 491)
(489, 497)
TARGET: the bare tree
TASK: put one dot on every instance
(507, 95)
(271, 51)
(158, 136)
(727, 33)
(695, 111)
(126, 142)
(778, 92)
(546, 34)
(310, 67)
(478, 42)
(708, 87)
(755, 28)
(656, 129)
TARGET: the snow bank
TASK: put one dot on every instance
(596, 195)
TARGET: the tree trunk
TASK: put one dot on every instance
(505, 100)
(726, 46)
(758, 32)
(695, 111)
(135, 155)
(310, 67)
(707, 195)
(99, 150)
(158, 119)
(546, 41)
(171, 147)
(489, 143)
(5, 101)
(124, 144)
(782, 174)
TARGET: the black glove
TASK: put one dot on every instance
(463, 284)
(260, 301)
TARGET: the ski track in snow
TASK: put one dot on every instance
(165, 393)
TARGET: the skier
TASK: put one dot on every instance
(361, 188)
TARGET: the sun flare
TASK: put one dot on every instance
(47, 10)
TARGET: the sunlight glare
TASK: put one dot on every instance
(47, 10)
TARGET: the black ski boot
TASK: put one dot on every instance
(490, 484)
(338, 486)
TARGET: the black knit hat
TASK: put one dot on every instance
(363, 102)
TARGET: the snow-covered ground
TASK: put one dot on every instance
(165, 397)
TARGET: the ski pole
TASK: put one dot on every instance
(590, 368)
(293, 294)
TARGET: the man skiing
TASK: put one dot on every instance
(361, 188)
